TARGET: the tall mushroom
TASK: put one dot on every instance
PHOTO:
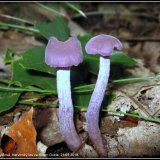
(63, 55)
(103, 45)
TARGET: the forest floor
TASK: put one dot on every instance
(137, 25)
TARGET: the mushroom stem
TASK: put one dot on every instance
(92, 116)
(67, 127)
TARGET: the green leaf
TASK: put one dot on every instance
(8, 100)
(156, 120)
(135, 79)
(35, 59)
(84, 88)
(122, 59)
(58, 29)
(8, 56)
(81, 100)
(30, 77)
(108, 98)
(91, 63)
(6, 81)
(26, 89)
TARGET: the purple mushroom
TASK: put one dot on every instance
(63, 55)
(103, 45)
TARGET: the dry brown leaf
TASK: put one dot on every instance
(9, 147)
(24, 135)
(17, 41)
(128, 121)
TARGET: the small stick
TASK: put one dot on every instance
(82, 144)
(140, 39)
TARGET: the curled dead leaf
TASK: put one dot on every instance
(23, 134)
(8, 145)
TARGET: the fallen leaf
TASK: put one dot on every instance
(128, 121)
(17, 41)
(9, 147)
(23, 134)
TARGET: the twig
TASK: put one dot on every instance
(136, 102)
(145, 87)
(112, 12)
(82, 144)
(140, 39)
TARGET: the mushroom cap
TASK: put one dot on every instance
(103, 45)
(63, 54)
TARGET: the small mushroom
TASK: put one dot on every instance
(103, 45)
(63, 55)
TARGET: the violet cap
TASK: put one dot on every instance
(63, 54)
(103, 45)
